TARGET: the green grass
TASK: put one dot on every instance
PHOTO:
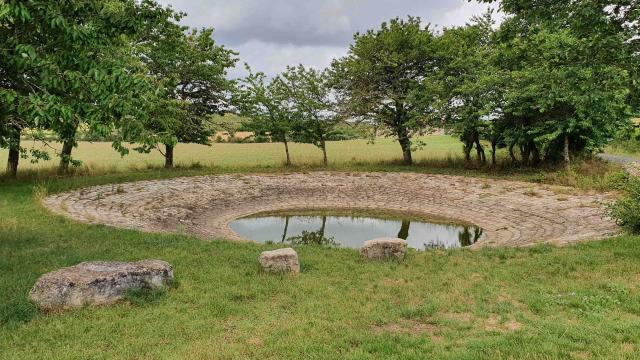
(442, 155)
(100, 156)
(537, 303)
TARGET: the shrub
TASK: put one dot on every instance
(626, 210)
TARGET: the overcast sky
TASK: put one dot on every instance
(271, 34)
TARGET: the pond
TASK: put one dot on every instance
(352, 231)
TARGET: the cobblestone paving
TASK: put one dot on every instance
(511, 213)
(633, 169)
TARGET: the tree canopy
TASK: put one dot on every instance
(191, 70)
(469, 84)
(385, 79)
(570, 70)
(267, 105)
(67, 63)
(314, 108)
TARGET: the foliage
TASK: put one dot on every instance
(385, 79)
(570, 74)
(67, 63)
(313, 107)
(315, 238)
(228, 122)
(470, 85)
(627, 139)
(267, 105)
(626, 210)
(191, 70)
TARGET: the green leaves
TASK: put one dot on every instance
(190, 70)
(385, 79)
(68, 63)
(309, 93)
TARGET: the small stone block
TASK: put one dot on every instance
(280, 261)
(384, 248)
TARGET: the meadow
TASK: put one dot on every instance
(541, 302)
(101, 157)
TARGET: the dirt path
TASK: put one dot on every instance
(618, 159)
(631, 164)
(511, 213)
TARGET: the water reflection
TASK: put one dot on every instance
(353, 231)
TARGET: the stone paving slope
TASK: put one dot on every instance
(511, 213)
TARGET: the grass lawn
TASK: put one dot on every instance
(101, 157)
(542, 302)
(538, 303)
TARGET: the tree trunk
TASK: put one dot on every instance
(535, 154)
(404, 230)
(168, 156)
(566, 153)
(468, 146)
(323, 145)
(514, 159)
(525, 152)
(405, 144)
(286, 150)
(494, 145)
(286, 227)
(403, 133)
(480, 150)
(322, 227)
(12, 162)
(65, 157)
(14, 154)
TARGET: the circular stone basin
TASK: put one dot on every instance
(351, 231)
(510, 213)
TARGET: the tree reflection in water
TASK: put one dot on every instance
(467, 238)
(309, 237)
(352, 231)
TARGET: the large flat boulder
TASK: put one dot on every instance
(97, 283)
(384, 248)
(280, 261)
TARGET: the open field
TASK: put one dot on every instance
(541, 302)
(442, 154)
(101, 156)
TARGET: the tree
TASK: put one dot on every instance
(267, 106)
(191, 69)
(570, 70)
(384, 79)
(66, 63)
(469, 84)
(309, 92)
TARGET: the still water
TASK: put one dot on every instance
(353, 231)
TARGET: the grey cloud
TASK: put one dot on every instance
(273, 33)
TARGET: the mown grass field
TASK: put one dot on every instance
(101, 157)
(536, 303)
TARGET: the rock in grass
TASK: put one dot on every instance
(280, 261)
(384, 248)
(97, 283)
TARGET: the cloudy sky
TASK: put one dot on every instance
(271, 34)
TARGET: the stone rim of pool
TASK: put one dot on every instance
(350, 228)
(203, 206)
